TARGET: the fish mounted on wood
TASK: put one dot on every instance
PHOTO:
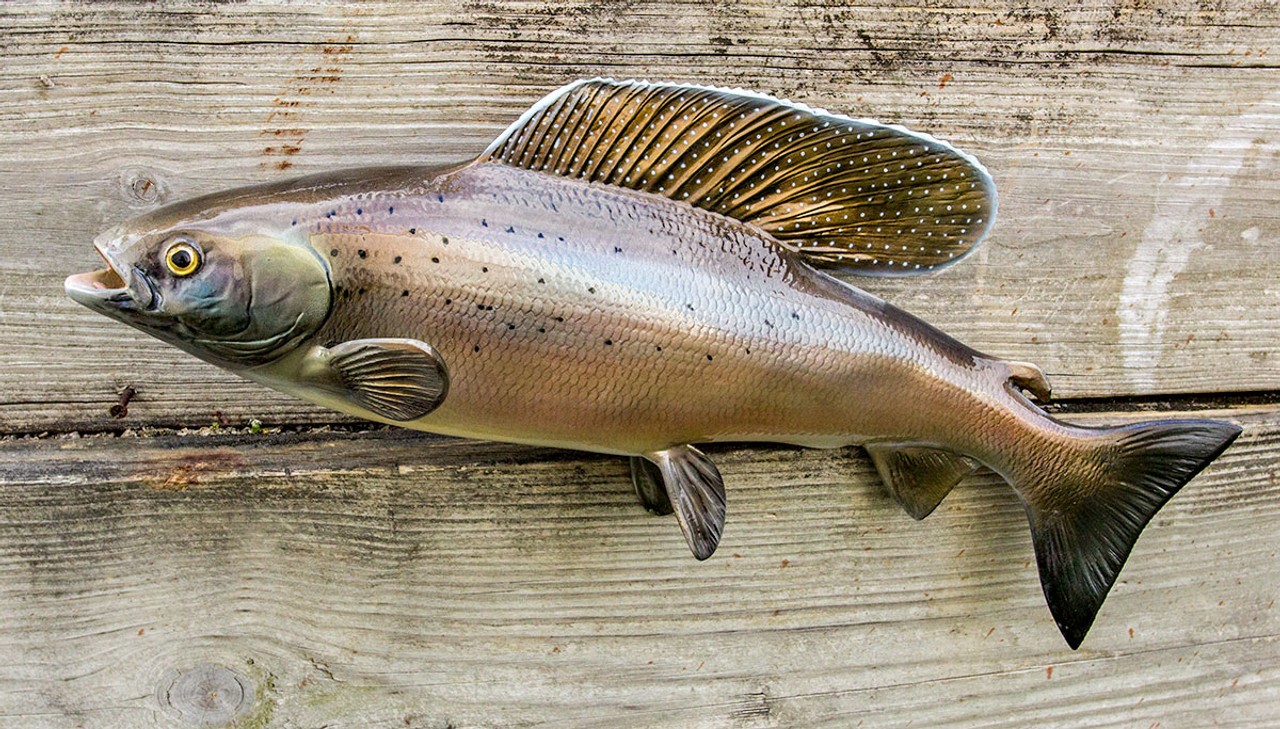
(635, 268)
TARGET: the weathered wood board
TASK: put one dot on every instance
(1136, 147)
(391, 579)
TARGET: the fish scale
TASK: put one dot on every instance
(631, 269)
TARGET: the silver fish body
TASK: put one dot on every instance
(596, 319)
(631, 270)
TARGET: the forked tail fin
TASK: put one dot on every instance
(1085, 522)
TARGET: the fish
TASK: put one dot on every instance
(636, 269)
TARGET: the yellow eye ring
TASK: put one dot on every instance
(182, 258)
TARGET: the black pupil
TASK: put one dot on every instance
(181, 258)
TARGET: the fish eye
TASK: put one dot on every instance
(182, 258)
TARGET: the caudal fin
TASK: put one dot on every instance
(1085, 523)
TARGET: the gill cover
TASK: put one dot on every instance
(274, 293)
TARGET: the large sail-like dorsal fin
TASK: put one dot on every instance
(849, 193)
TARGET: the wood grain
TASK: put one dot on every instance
(392, 579)
(1135, 147)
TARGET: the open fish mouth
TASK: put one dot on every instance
(106, 288)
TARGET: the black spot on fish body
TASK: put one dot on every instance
(444, 240)
(658, 347)
(440, 198)
(484, 269)
(511, 229)
(480, 307)
(542, 330)
(591, 289)
(608, 342)
(397, 259)
(708, 358)
(435, 260)
(768, 323)
(448, 301)
(476, 348)
(391, 210)
(484, 222)
(560, 238)
(540, 235)
(510, 326)
(690, 306)
(795, 315)
(295, 222)
(359, 211)
(362, 253)
(405, 292)
(542, 280)
(413, 231)
(334, 253)
(617, 249)
(560, 318)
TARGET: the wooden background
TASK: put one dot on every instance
(328, 575)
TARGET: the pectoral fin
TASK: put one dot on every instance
(696, 493)
(397, 379)
(918, 477)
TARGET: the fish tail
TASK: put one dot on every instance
(1087, 507)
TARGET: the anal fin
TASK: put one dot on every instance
(695, 491)
(918, 477)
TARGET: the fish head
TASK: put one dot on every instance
(235, 296)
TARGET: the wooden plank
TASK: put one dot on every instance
(393, 579)
(1135, 148)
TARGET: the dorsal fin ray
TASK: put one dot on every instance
(849, 193)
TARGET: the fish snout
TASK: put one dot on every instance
(107, 288)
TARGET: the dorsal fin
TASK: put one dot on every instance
(851, 193)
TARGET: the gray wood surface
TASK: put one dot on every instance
(1135, 148)
(392, 579)
(355, 577)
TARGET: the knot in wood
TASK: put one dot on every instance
(205, 695)
(141, 186)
